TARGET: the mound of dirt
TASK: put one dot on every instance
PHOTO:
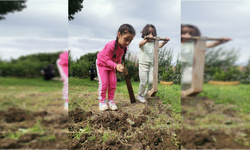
(114, 122)
(79, 115)
(209, 139)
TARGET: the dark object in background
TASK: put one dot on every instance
(92, 72)
(49, 72)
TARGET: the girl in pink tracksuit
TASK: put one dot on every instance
(62, 64)
(108, 61)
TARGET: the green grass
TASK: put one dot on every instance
(32, 94)
(236, 95)
(168, 94)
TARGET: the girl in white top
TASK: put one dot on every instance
(146, 60)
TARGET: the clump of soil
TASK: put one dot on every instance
(79, 115)
(16, 115)
(57, 123)
(209, 139)
(113, 122)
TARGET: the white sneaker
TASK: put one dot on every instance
(112, 105)
(66, 106)
(103, 106)
(141, 99)
(146, 93)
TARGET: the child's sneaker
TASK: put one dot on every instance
(140, 98)
(112, 105)
(66, 106)
(103, 106)
(146, 93)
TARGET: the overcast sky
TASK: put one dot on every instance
(41, 27)
(99, 20)
(221, 18)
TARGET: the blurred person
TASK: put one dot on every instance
(92, 72)
(48, 72)
(62, 64)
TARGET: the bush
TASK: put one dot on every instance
(29, 66)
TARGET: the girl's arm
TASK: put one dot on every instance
(225, 39)
(164, 42)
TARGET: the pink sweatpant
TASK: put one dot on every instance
(107, 81)
(63, 70)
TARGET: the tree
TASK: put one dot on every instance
(75, 6)
(11, 6)
(221, 57)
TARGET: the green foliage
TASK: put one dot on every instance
(75, 6)
(228, 74)
(165, 57)
(172, 73)
(245, 76)
(80, 67)
(221, 57)
(29, 66)
(11, 7)
(132, 64)
(220, 64)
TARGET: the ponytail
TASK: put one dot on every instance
(116, 44)
(125, 50)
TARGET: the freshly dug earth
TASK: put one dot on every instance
(213, 126)
(22, 129)
(132, 127)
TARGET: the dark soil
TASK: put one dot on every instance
(212, 139)
(14, 119)
(124, 125)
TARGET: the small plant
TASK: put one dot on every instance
(37, 128)
(14, 135)
(105, 137)
(92, 138)
(87, 128)
(47, 138)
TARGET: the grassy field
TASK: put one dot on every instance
(219, 117)
(32, 110)
(130, 121)
(229, 95)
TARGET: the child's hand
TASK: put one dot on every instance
(186, 36)
(168, 39)
(149, 36)
(119, 67)
(225, 39)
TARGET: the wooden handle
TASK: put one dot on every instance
(204, 38)
(154, 38)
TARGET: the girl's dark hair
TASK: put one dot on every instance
(196, 31)
(145, 30)
(124, 29)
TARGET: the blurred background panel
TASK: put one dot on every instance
(218, 118)
(33, 34)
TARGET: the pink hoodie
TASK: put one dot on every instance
(105, 57)
(64, 62)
